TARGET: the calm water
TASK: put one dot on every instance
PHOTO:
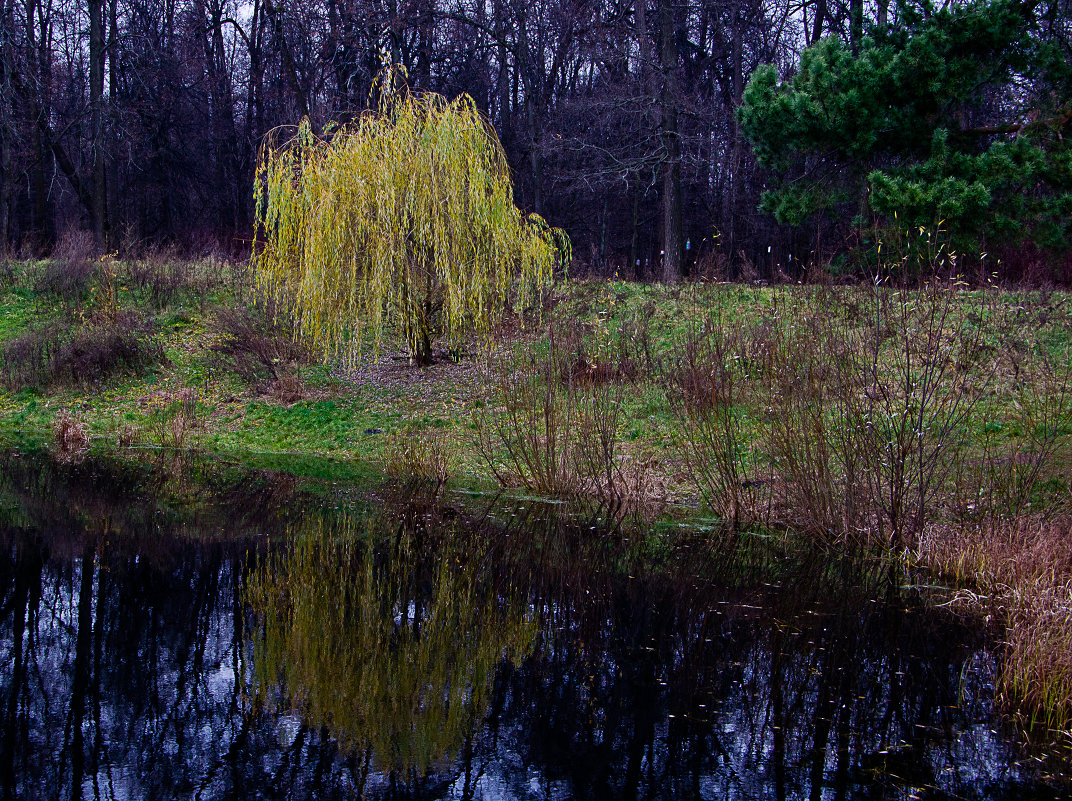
(215, 634)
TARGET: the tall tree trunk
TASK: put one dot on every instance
(671, 143)
(7, 122)
(422, 66)
(732, 184)
(96, 111)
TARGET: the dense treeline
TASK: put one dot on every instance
(141, 120)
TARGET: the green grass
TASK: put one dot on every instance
(351, 418)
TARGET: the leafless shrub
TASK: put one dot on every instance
(858, 400)
(161, 276)
(547, 430)
(69, 273)
(288, 388)
(252, 348)
(914, 401)
(422, 455)
(808, 426)
(60, 355)
(709, 389)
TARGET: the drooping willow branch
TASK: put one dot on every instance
(401, 223)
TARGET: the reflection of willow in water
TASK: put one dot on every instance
(394, 652)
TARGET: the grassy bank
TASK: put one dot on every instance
(934, 423)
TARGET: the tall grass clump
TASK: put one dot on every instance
(402, 223)
(416, 455)
(1019, 570)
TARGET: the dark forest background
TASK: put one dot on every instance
(139, 121)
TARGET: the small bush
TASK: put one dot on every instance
(58, 355)
(1021, 572)
(69, 274)
(422, 455)
(252, 348)
(172, 417)
(287, 389)
(708, 389)
(69, 434)
(553, 432)
(856, 402)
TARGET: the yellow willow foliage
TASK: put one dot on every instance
(401, 223)
(393, 662)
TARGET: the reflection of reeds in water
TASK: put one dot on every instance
(394, 652)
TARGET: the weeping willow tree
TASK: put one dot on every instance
(401, 224)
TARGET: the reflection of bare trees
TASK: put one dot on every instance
(644, 663)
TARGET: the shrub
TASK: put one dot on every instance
(253, 348)
(69, 273)
(857, 401)
(69, 434)
(423, 455)
(709, 389)
(551, 431)
(58, 355)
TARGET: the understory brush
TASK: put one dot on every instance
(161, 278)
(62, 354)
(552, 422)
(852, 413)
(933, 421)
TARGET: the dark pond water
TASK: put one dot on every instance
(216, 634)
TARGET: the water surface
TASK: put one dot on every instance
(213, 633)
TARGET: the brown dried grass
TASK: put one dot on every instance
(1021, 571)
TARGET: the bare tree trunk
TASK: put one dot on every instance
(7, 120)
(671, 143)
(422, 67)
(96, 110)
